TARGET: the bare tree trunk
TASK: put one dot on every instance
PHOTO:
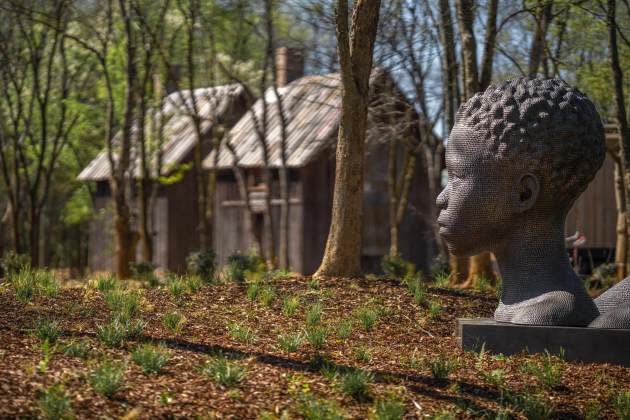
(620, 107)
(122, 219)
(342, 256)
(621, 249)
(489, 44)
(537, 51)
(466, 18)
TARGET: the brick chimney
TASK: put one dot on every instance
(289, 65)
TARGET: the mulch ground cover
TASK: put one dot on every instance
(400, 349)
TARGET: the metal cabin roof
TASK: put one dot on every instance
(312, 107)
(179, 133)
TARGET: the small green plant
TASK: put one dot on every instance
(290, 343)
(80, 349)
(106, 282)
(531, 406)
(396, 267)
(316, 336)
(224, 372)
(290, 305)
(108, 377)
(434, 311)
(123, 303)
(441, 279)
(367, 317)
(356, 384)
(548, 373)
(55, 404)
(495, 377)
(621, 405)
(441, 367)
(203, 264)
(314, 314)
(46, 330)
(313, 284)
(144, 271)
(24, 285)
(344, 329)
(194, 283)
(312, 408)
(267, 295)
(363, 354)
(174, 321)
(252, 290)
(593, 409)
(391, 408)
(46, 283)
(416, 287)
(112, 334)
(414, 361)
(482, 284)
(240, 333)
(176, 286)
(47, 352)
(151, 358)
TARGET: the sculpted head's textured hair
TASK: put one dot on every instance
(543, 126)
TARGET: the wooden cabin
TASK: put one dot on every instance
(311, 108)
(174, 220)
(594, 213)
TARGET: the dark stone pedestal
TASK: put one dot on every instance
(579, 344)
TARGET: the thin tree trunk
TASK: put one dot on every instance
(620, 107)
(466, 18)
(621, 250)
(537, 51)
(342, 256)
(489, 45)
(34, 237)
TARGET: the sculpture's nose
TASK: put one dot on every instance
(442, 199)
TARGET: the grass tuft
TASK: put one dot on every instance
(55, 404)
(367, 317)
(174, 321)
(151, 358)
(316, 336)
(240, 333)
(441, 367)
(391, 408)
(290, 305)
(46, 330)
(224, 372)
(314, 314)
(108, 377)
(290, 343)
(80, 349)
(356, 384)
(621, 405)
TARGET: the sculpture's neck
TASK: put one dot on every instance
(533, 262)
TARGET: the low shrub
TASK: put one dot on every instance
(363, 354)
(194, 283)
(203, 264)
(151, 358)
(112, 334)
(396, 267)
(267, 295)
(55, 404)
(12, 263)
(434, 310)
(238, 265)
(108, 377)
(252, 290)
(176, 285)
(122, 303)
(47, 284)
(144, 271)
(106, 282)
(224, 372)
(24, 285)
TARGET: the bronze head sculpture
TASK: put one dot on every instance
(518, 157)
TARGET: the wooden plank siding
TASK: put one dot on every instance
(594, 213)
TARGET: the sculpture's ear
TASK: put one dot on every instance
(526, 192)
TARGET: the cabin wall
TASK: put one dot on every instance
(594, 213)
(233, 226)
(101, 248)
